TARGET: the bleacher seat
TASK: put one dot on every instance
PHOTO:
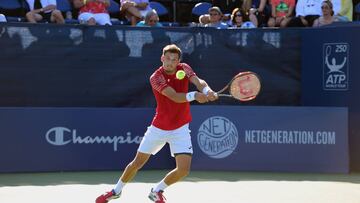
(357, 12)
(12, 19)
(63, 5)
(170, 24)
(10, 4)
(201, 8)
(114, 7)
(159, 8)
(119, 22)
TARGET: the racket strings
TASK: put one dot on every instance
(245, 87)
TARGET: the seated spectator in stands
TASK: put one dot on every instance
(151, 20)
(260, 8)
(343, 9)
(134, 10)
(239, 20)
(215, 18)
(2, 18)
(44, 10)
(227, 7)
(281, 12)
(92, 12)
(307, 11)
(327, 15)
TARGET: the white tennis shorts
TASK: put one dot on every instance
(100, 18)
(179, 140)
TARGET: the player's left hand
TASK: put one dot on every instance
(212, 96)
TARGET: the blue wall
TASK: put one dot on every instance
(323, 86)
(48, 65)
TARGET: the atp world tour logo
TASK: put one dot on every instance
(336, 66)
(217, 137)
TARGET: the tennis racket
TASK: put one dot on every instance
(244, 86)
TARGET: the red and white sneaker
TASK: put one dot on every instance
(104, 198)
(157, 197)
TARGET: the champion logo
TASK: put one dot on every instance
(60, 136)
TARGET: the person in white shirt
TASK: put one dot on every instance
(44, 10)
(307, 11)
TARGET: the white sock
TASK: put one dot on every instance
(119, 186)
(160, 186)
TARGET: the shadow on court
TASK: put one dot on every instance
(152, 176)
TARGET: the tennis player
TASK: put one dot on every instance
(169, 125)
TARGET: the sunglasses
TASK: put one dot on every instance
(238, 14)
(325, 7)
(214, 14)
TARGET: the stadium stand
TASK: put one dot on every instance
(201, 8)
(159, 8)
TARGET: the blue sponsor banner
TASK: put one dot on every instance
(224, 138)
(295, 139)
(64, 139)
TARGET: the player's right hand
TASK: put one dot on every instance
(212, 96)
(201, 98)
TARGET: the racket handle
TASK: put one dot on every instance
(223, 95)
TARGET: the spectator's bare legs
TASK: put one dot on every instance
(57, 17)
(133, 167)
(131, 12)
(183, 163)
(271, 22)
(285, 22)
(33, 16)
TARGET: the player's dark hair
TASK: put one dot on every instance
(172, 48)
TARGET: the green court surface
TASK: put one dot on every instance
(198, 187)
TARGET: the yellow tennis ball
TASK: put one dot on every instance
(180, 74)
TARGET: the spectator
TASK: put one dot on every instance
(259, 8)
(327, 15)
(2, 18)
(226, 7)
(343, 9)
(281, 11)
(93, 12)
(307, 11)
(215, 18)
(239, 20)
(134, 10)
(151, 20)
(44, 10)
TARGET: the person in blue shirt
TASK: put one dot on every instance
(215, 18)
(151, 20)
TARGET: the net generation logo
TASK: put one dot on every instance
(217, 137)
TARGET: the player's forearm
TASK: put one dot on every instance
(178, 97)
